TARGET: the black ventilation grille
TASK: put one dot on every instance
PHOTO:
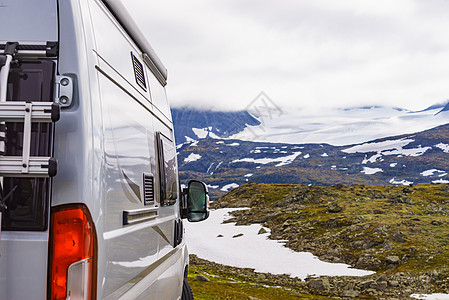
(148, 187)
(138, 72)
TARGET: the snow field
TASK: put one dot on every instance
(218, 242)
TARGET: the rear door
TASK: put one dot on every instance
(24, 235)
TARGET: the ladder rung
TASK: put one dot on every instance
(12, 166)
(41, 112)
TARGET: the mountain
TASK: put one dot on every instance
(399, 160)
(294, 126)
(194, 124)
(445, 108)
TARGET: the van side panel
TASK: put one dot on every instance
(139, 255)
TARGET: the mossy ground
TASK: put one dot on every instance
(393, 230)
(409, 222)
(230, 283)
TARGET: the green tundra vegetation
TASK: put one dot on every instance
(401, 232)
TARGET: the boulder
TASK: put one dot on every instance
(320, 284)
(262, 231)
(202, 278)
(392, 259)
(334, 208)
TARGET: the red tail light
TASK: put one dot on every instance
(72, 261)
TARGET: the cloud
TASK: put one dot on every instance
(303, 53)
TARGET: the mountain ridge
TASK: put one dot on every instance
(397, 160)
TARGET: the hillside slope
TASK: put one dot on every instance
(400, 232)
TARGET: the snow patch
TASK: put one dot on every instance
(212, 186)
(200, 132)
(324, 155)
(444, 147)
(282, 161)
(435, 296)
(379, 146)
(371, 171)
(244, 251)
(307, 155)
(233, 144)
(393, 165)
(440, 181)
(372, 159)
(432, 172)
(389, 147)
(248, 175)
(228, 187)
(192, 157)
(400, 182)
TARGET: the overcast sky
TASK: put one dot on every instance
(301, 53)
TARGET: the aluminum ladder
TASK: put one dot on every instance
(28, 113)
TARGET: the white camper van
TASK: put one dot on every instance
(90, 200)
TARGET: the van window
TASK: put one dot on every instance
(167, 170)
(158, 96)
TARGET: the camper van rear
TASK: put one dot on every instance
(90, 200)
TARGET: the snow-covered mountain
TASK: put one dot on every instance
(297, 126)
(194, 124)
(224, 164)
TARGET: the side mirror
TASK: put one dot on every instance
(197, 202)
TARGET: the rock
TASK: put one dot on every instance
(320, 284)
(380, 286)
(262, 231)
(261, 277)
(220, 235)
(372, 292)
(398, 237)
(202, 278)
(388, 245)
(393, 283)
(252, 298)
(366, 284)
(392, 259)
(367, 262)
(334, 208)
(407, 190)
(436, 223)
(434, 274)
(238, 235)
(350, 293)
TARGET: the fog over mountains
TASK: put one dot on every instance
(296, 126)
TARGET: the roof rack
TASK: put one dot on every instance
(34, 49)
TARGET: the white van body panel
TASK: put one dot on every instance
(105, 143)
